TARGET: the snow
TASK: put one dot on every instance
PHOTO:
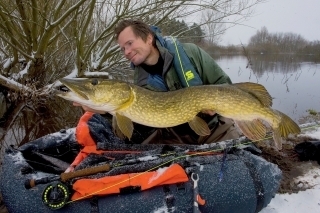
(13, 83)
(7, 63)
(304, 201)
(314, 134)
(163, 209)
(25, 70)
(159, 172)
(148, 158)
(18, 158)
(98, 74)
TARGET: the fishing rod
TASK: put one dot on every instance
(204, 149)
(214, 148)
(208, 149)
(158, 151)
(65, 176)
(30, 183)
(57, 195)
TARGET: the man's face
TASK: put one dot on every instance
(134, 48)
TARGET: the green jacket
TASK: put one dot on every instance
(208, 70)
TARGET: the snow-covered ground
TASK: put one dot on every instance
(304, 201)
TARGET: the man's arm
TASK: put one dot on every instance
(210, 72)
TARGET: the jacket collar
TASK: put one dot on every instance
(167, 59)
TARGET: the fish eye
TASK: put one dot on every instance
(94, 82)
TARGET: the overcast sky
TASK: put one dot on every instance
(297, 16)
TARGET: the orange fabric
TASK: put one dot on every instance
(200, 200)
(84, 138)
(79, 158)
(84, 153)
(82, 130)
(85, 188)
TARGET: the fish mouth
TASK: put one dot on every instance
(64, 91)
(71, 88)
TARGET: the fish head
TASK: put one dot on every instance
(100, 94)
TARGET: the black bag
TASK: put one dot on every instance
(308, 150)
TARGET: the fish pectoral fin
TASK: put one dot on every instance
(199, 126)
(254, 130)
(116, 129)
(125, 125)
(277, 138)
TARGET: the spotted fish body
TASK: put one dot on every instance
(248, 104)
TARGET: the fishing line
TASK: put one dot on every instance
(158, 166)
(177, 158)
(310, 127)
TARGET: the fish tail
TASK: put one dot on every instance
(285, 127)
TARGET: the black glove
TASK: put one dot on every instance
(101, 130)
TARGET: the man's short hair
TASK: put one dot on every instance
(139, 28)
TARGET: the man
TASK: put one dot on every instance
(155, 68)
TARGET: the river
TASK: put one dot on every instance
(292, 81)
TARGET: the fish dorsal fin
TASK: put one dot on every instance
(199, 126)
(254, 130)
(257, 90)
(125, 125)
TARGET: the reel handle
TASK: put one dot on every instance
(30, 183)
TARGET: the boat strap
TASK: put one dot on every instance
(94, 204)
(169, 198)
(258, 185)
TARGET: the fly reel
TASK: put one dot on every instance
(55, 196)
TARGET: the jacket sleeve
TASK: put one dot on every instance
(210, 72)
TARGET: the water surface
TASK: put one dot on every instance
(293, 82)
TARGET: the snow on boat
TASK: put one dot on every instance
(219, 177)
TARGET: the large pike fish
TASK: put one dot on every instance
(248, 104)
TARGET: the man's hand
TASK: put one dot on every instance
(69, 169)
(208, 111)
(85, 108)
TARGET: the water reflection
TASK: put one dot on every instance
(293, 81)
(278, 63)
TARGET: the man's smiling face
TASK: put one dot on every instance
(135, 48)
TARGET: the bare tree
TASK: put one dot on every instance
(35, 33)
(214, 26)
(42, 41)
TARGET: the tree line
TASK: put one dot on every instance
(264, 42)
(277, 43)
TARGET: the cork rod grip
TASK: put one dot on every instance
(84, 172)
